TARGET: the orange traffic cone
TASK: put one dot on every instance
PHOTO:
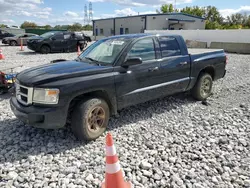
(21, 45)
(114, 175)
(1, 54)
(78, 50)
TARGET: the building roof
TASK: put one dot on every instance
(176, 13)
(180, 20)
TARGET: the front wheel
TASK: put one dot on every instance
(90, 119)
(203, 87)
(13, 43)
(45, 49)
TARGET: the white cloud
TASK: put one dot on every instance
(228, 12)
(7, 21)
(27, 8)
(71, 14)
(140, 3)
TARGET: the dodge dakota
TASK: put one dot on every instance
(111, 74)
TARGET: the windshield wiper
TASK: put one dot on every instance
(93, 60)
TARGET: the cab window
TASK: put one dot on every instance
(169, 47)
(144, 48)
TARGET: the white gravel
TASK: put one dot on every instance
(170, 142)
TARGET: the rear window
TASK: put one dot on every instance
(169, 47)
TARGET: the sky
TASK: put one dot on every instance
(59, 12)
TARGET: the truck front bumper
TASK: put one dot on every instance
(40, 117)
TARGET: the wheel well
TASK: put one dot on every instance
(209, 70)
(45, 45)
(99, 94)
(13, 41)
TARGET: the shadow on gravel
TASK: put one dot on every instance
(5, 96)
(27, 53)
(19, 141)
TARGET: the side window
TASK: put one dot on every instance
(58, 36)
(144, 49)
(169, 47)
(67, 36)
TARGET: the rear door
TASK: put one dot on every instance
(174, 65)
(137, 83)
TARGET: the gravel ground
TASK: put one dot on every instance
(170, 142)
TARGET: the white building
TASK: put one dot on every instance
(139, 23)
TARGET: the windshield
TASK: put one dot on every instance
(105, 51)
(48, 34)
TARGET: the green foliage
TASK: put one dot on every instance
(166, 8)
(74, 27)
(3, 25)
(214, 19)
(87, 27)
(26, 25)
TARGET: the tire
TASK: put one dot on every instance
(90, 119)
(45, 49)
(203, 87)
(13, 43)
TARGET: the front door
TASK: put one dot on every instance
(121, 31)
(137, 83)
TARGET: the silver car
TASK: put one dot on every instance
(16, 40)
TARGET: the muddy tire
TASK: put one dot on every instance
(90, 119)
(203, 87)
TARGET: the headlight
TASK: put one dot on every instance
(46, 96)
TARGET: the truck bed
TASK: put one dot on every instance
(194, 51)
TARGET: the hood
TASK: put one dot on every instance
(57, 71)
(35, 38)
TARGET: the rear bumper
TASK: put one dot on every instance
(40, 117)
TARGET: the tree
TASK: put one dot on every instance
(3, 25)
(212, 14)
(75, 27)
(26, 25)
(47, 27)
(87, 27)
(195, 10)
(166, 8)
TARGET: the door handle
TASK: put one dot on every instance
(184, 63)
(153, 69)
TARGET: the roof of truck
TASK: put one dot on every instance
(138, 35)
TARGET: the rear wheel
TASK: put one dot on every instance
(13, 43)
(45, 49)
(90, 119)
(203, 87)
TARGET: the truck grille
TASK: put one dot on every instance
(24, 94)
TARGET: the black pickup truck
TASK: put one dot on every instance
(111, 74)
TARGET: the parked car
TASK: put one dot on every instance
(16, 40)
(4, 34)
(112, 74)
(56, 41)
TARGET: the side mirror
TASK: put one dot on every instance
(52, 38)
(132, 61)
